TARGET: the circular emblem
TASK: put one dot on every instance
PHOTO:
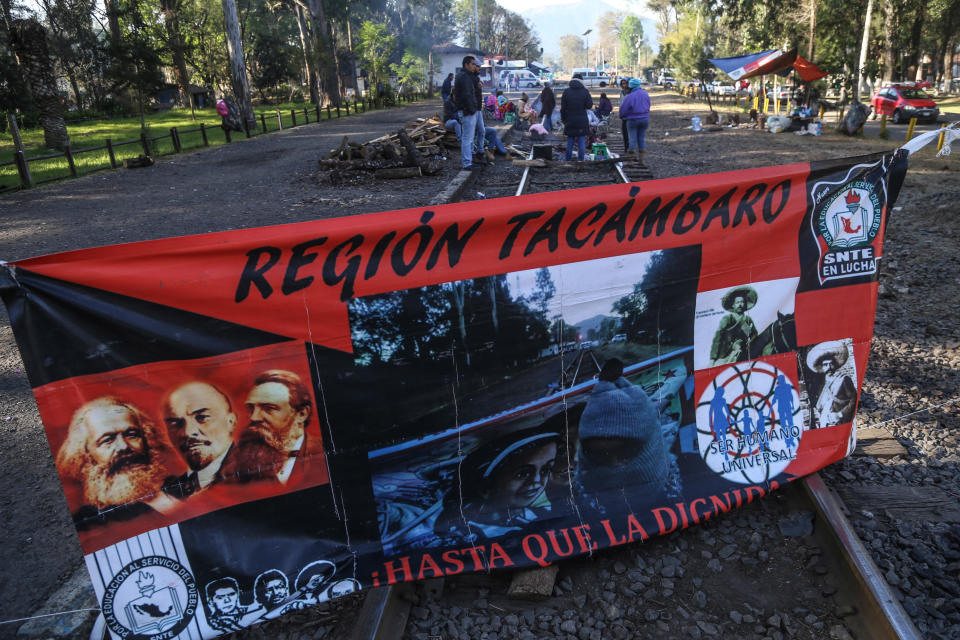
(151, 598)
(749, 423)
(851, 217)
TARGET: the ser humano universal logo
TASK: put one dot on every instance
(151, 598)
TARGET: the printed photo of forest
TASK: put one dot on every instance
(449, 354)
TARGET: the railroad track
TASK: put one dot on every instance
(787, 566)
(658, 588)
(502, 181)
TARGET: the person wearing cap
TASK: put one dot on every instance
(621, 443)
(635, 110)
(838, 398)
(731, 342)
(501, 487)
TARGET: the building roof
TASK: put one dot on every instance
(449, 47)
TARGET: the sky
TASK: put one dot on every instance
(585, 289)
(629, 6)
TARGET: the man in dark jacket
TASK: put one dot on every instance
(548, 103)
(574, 104)
(468, 98)
(447, 87)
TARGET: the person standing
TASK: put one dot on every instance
(624, 92)
(549, 103)
(574, 104)
(466, 97)
(447, 87)
(635, 110)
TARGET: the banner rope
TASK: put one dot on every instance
(950, 133)
(912, 413)
(47, 615)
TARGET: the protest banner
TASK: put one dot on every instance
(251, 422)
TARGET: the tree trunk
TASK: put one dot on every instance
(325, 52)
(459, 293)
(948, 66)
(492, 288)
(113, 21)
(430, 67)
(238, 70)
(916, 34)
(29, 41)
(171, 21)
(813, 28)
(864, 46)
(72, 78)
(306, 43)
(890, 41)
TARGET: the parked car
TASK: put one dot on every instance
(782, 93)
(902, 102)
(593, 78)
(666, 81)
(519, 78)
(723, 89)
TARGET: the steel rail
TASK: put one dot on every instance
(884, 616)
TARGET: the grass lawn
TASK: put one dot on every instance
(94, 133)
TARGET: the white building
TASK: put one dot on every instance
(448, 58)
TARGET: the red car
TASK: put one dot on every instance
(902, 102)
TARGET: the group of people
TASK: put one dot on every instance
(463, 114)
(122, 460)
(271, 589)
(464, 106)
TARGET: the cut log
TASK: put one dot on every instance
(413, 158)
(398, 172)
(138, 162)
(335, 153)
(533, 584)
(361, 165)
(512, 149)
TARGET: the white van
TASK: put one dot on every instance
(521, 79)
(593, 78)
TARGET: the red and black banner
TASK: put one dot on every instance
(250, 422)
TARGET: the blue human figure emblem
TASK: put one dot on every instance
(719, 419)
(747, 421)
(762, 429)
(783, 396)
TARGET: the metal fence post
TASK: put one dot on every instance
(203, 134)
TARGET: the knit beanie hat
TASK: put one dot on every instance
(634, 83)
(617, 410)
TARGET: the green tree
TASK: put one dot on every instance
(573, 52)
(375, 47)
(410, 72)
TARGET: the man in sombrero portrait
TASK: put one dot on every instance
(838, 396)
(731, 342)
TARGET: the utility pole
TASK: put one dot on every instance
(476, 22)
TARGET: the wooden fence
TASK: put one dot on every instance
(151, 145)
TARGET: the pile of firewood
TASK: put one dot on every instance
(410, 152)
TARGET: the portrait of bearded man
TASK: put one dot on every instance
(118, 456)
(275, 445)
